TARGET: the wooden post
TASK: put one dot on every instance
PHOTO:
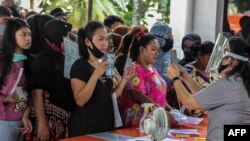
(90, 9)
(136, 14)
(32, 4)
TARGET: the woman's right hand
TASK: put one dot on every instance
(184, 75)
(14, 98)
(100, 68)
(173, 71)
(43, 132)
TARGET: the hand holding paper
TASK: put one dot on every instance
(130, 72)
(173, 71)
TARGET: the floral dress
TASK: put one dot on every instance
(147, 82)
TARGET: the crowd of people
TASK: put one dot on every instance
(37, 103)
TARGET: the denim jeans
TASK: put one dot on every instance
(9, 130)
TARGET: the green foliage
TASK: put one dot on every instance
(127, 14)
(243, 5)
(164, 9)
(78, 9)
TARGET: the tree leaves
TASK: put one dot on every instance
(78, 9)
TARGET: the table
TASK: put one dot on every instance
(134, 132)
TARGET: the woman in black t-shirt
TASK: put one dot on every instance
(92, 89)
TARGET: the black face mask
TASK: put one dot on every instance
(222, 67)
(95, 51)
(168, 45)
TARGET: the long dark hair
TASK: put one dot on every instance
(205, 48)
(87, 32)
(241, 47)
(143, 41)
(124, 44)
(8, 47)
(128, 38)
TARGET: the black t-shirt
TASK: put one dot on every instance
(47, 74)
(97, 114)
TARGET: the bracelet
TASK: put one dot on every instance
(175, 78)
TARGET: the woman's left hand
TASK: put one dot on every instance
(27, 126)
(173, 71)
(129, 73)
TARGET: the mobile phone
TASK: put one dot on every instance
(127, 63)
(173, 56)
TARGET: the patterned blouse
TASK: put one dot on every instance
(203, 81)
(147, 82)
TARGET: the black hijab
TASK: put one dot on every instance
(37, 23)
(49, 66)
(53, 34)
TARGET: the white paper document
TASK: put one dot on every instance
(17, 81)
(117, 116)
(111, 136)
(71, 55)
(184, 131)
(191, 120)
(183, 119)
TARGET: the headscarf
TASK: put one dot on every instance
(51, 64)
(160, 31)
(53, 33)
(195, 38)
(37, 23)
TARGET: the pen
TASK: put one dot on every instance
(199, 139)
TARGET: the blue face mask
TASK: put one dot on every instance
(2, 28)
(19, 57)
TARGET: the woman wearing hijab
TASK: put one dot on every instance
(163, 34)
(37, 23)
(51, 92)
(189, 42)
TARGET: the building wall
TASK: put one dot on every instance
(203, 17)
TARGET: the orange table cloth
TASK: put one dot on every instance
(134, 132)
